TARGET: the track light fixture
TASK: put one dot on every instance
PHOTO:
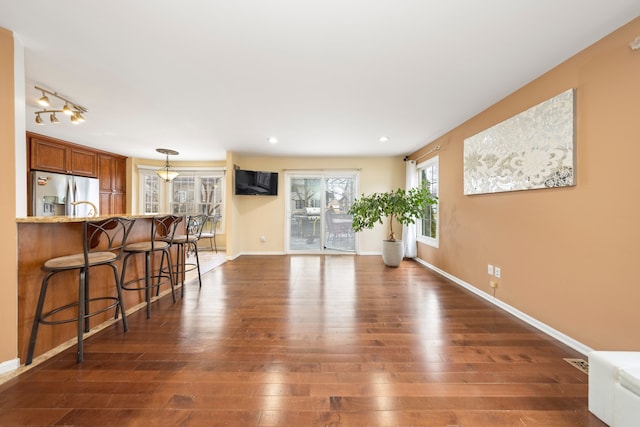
(70, 108)
(166, 172)
(44, 100)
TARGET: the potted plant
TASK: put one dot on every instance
(403, 206)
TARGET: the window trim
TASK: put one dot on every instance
(164, 201)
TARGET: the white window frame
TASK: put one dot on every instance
(432, 167)
(151, 172)
(166, 190)
(197, 173)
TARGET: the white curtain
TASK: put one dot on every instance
(409, 231)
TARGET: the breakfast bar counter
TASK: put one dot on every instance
(43, 238)
(67, 219)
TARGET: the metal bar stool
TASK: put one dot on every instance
(162, 231)
(102, 242)
(189, 242)
(209, 230)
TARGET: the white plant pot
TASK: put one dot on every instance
(392, 252)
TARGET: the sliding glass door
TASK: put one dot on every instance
(317, 211)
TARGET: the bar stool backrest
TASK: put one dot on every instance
(164, 228)
(215, 219)
(106, 235)
(195, 223)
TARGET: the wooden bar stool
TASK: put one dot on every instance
(162, 232)
(102, 242)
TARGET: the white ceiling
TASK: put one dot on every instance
(326, 77)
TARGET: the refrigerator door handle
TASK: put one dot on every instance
(68, 200)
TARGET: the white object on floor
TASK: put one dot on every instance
(614, 387)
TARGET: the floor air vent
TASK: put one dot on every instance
(581, 364)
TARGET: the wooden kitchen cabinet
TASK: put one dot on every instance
(112, 173)
(53, 155)
(56, 156)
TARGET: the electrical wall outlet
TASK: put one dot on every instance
(497, 271)
(263, 239)
(490, 269)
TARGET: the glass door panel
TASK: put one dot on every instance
(338, 231)
(317, 212)
(305, 214)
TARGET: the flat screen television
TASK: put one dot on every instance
(256, 183)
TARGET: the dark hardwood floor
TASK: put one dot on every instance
(310, 341)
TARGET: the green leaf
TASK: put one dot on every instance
(406, 206)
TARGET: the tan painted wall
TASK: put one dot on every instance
(8, 228)
(570, 256)
(265, 216)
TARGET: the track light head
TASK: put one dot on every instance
(43, 100)
(39, 120)
(79, 117)
(53, 118)
(67, 110)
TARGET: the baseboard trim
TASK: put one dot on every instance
(256, 253)
(563, 338)
(9, 366)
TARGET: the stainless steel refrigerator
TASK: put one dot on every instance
(53, 194)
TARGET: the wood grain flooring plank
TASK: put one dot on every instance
(310, 341)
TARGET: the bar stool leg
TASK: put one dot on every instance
(36, 318)
(120, 306)
(147, 289)
(122, 276)
(87, 326)
(195, 251)
(166, 256)
(81, 311)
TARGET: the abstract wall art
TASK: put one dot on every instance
(534, 149)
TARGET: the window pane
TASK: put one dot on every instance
(210, 195)
(183, 197)
(151, 195)
(428, 226)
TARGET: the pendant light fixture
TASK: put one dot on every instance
(166, 172)
(75, 111)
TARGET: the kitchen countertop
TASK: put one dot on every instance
(67, 219)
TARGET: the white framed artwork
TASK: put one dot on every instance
(532, 150)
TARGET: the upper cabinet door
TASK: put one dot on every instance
(105, 168)
(48, 156)
(58, 157)
(120, 175)
(83, 162)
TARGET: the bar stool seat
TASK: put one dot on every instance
(102, 242)
(72, 262)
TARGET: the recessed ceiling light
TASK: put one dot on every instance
(384, 139)
(273, 140)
